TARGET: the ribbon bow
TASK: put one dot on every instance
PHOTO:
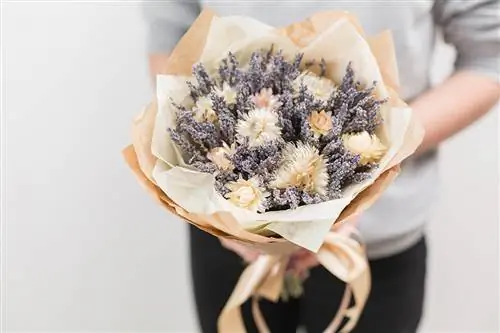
(341, 254)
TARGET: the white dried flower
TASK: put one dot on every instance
(204, 110)
(320, 87)
(247, 194)
(219, 155)
(320, 122)
(259, 126)
(229, 94)
(368, 147)
(266, 99)
(303, 168)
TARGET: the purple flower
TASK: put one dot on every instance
(356, 108)
(353, 109)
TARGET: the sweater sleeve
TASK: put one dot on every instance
(167, 21)
(473, 28)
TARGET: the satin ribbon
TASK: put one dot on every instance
(341, 254)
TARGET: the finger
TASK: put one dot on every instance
(300, 254)
(251, 256)
(304, 264)
(246, 253)
(347, 225)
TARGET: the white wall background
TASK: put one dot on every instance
(85, 249)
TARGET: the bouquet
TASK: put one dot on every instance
(274, 137)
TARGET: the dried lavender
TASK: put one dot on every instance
(227, 119)
(205, 134)
(213, 135)
(222, 178)
(290, 197)
(205, 82)
(356, 108)
(191, 152)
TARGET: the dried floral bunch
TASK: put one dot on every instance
(275, 134)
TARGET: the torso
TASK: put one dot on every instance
(411, 25)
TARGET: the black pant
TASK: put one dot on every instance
(394, 305)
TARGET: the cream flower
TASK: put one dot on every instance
(247, 194)
(319, 87)
(304, 168)
(320, 122)
(266, 99)
(228, 93)
(204, 110)
(369, 147)
(259, 126)
(218, 156)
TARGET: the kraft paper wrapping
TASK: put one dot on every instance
(159, 167)
(194, 191)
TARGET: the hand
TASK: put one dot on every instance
(303, 260)
(247, 253)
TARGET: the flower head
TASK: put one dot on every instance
(247, 194)
(319, 87)
(368, 147)
(320, 122)
(203, 110)
(266, 99)
(228, 93)
(259, 126)
(219, 156)
(303, 168)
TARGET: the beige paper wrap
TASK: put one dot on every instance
(338, 38)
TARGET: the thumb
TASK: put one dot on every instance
(246, 253)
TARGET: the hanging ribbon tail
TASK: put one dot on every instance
(345, 258)
(264, 277)
(341, 255)
(270, 289)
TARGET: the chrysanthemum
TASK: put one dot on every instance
(247, 194)
(319, 87)
(266, 99)
(303, 168)
(259, 126)
(203, 110)
(228, 93)
(368, 147)
(219, 156)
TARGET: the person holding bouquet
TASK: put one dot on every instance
(394, 227)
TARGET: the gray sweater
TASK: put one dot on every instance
(398, 219)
